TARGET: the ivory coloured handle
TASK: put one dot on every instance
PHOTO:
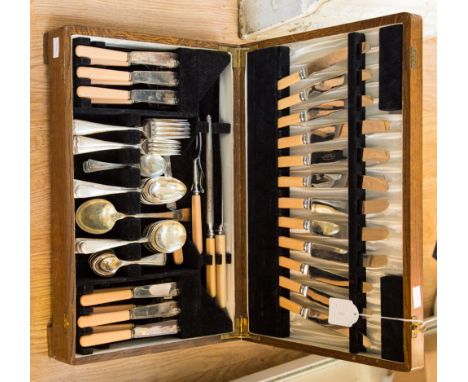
(290, 305)
(370, 126)
(292, 223)
(104, 297)
(221, 282)
(290, 181)
(291, 161)
(99, 76)
(375, 155)
(374, 206)
(103, 318)
(102, 56)
(373, 183)
(291, 264)
(289, 243)
(287, 81)
(318, 297)
(105, 337)
(291, 203)
(103, 95)
(289, 120)
(197, 235)
(374, 233)
(292, 285)
(286, 102)
(294, 140)
(211, 268)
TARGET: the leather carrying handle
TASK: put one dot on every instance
(221, 282)
(211, 268)
(289, 120)
(290, 181)
(99, 76)
(290, 264)
(103, 318)
(102, 56)
(197, 234)
(288, 243)
(98, 297)
(291, 223)
(105, 338)
(104, 95)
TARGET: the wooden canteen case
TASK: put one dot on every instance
(242, 76)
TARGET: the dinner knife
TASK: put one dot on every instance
(370, 155)
(99, 95)
(161, 310)
(319, 275)
(317, 65)
(103, 296)
(111, 57)
(100, 76)
(307, 313)
(369, 206)
(304, 290)
(140, 331)
(210, 239)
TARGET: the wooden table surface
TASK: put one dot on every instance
(209, 20)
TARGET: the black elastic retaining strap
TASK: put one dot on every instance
(356, 195)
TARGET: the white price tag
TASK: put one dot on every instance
(342, 312)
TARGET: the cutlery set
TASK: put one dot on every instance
(299, 228)
(106, 322)
(110, 77)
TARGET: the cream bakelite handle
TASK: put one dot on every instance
(373, 183)
(291, 203)
(105, 337)
(98, 297)
(290, 305)
(294, 244)
(102, 56)
(211, 268)
(286, 142)
(104, 95)
(103, 318)
(286, 102)
(292, 265)
(292, 285)
(287, 81)
(374, 206)
(290, 181)
(374, 233)
(112, 328)
(289, 120)
(197, 235)
(104, 76)
(375, 155)
(292, 223)
(291, 161)
(221, 283)
(374, 126)
(178, 256)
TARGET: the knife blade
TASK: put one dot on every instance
(103, 296)
(317, 65)
(111, 57)
(161, 310)
(100, 76)
(316, 180)
(141, 331)
(318, 227)
(210, 239)
(99, 95)
(319, 274)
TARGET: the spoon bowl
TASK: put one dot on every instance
(165, 236)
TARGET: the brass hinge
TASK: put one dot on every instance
(241, 329)
(239, 55)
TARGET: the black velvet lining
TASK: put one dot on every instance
(391, 300)
(199, 95)
(390, 67)
(265, 67)
(356, 169)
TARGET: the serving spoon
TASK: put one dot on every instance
(163, 236)
(106, 263)
(98, 216)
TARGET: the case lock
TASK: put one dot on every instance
(417, 327)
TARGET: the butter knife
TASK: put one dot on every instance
(141, 331)
(99, 95)
(100, 76)
(111, 57)
(161, 310)
(103, 296)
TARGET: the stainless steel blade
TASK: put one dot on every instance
(209, 178)
(163, 309)
(164, 59)
(166, 290)
(154, 78)
(156, 329)
(166, 97)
